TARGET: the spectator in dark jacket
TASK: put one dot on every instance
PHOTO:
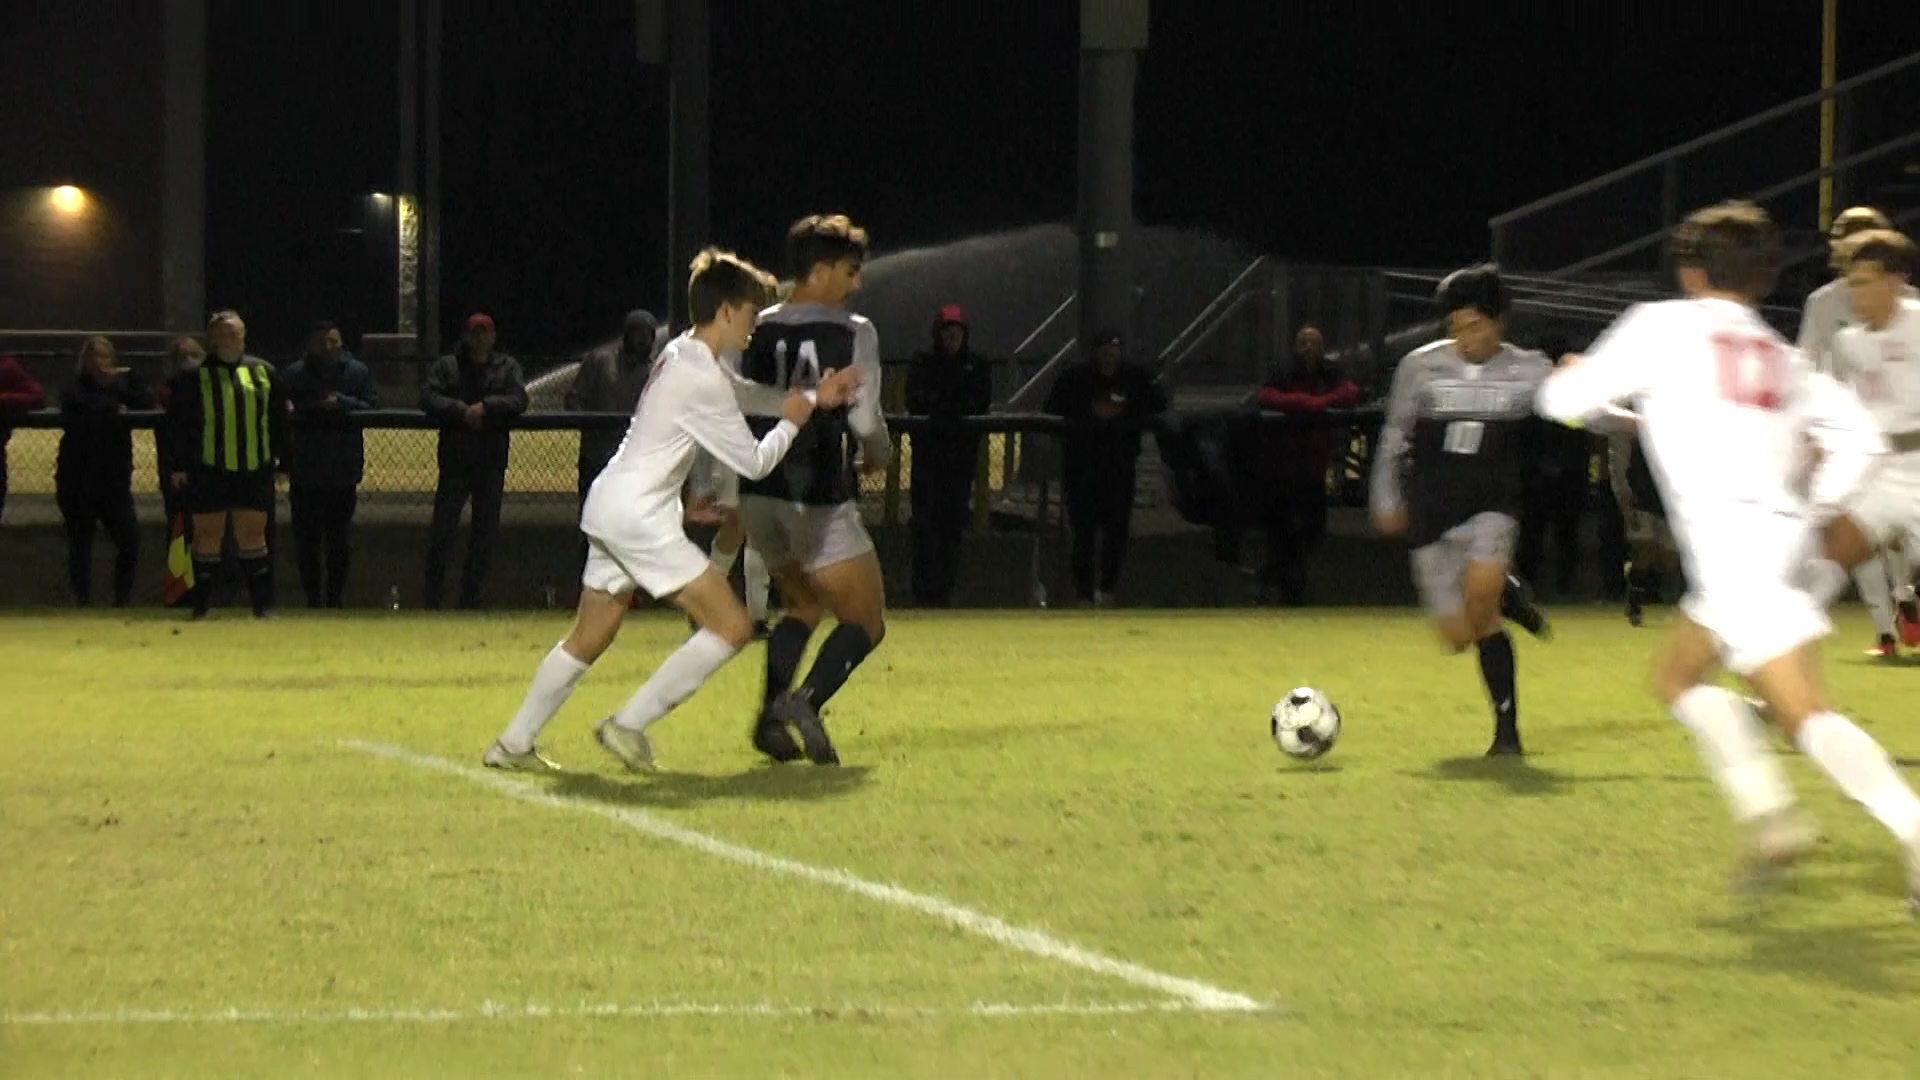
(19, 393)
(1558, 487)
(475, 395)
(93, 474)
(945, 383)
(326, 386)
(1293, 499)
(1109, 400)
(609, 381)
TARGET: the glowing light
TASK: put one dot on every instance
(68, 199)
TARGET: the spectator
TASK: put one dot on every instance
(93, 473)
(609, 381)
(1108, 400)
(1557, 489)
(18, 394)
(1293, 504)
(945, 383)
(329, 460)
(176, 583)
(475, 394)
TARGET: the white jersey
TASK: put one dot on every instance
(1829, 310)
(1726, 408)
(691, 403)
(1883, 368)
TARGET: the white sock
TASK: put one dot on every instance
(1863, 771)
(722, 560)
(1826, 580)
(1871, 579)
(758, 582)
(677, 677)
(1731, 743)
(1900, 572)
(553, 680)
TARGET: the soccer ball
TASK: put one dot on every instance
(1305, 724)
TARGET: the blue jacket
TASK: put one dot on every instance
(328, 450)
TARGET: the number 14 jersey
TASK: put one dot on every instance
(793, 346)
(1457, 439)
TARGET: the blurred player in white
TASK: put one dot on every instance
(1828, 310)
(634, 522)
(1727, 407)
(1879, 357)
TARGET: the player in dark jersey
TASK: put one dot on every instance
(1448, 474)
(1651, 550)
(804, 517)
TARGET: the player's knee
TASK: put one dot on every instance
(734, 628)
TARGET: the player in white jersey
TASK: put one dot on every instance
(1879, 357)
(805, 517)
(1727, 408)
(634, 522)
(1828, 310)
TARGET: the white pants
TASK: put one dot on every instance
(1748, 586)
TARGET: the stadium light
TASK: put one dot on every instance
(68, 200)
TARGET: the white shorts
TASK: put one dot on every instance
(1750, 590)
(659, 569)
(1888, 512)
(812, 536)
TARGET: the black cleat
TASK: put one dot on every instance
(771, 737)
(799, 712)
(1505, 744)
(1518, 606)
(1634, 616)
(761, 630)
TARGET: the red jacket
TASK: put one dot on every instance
(18, 394)
(1302, 453)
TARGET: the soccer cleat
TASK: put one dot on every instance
(1774, 843)
(1505, 744)
(761, 630)
(799, 712)
(499, 757)
(1517, 605)
(771, 737)
(1906, 618)
(631, 747)
(1885, 649)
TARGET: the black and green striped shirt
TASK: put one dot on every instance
(228, 417)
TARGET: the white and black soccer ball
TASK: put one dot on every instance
(1305, 724)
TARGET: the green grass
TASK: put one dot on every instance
(178, 841)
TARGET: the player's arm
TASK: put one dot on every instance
(1851, 443)
(1614, 371)
(864, 415)
(712, 418)
(1396, 441)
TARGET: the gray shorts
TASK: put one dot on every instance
(812, 536)
(1439, 567)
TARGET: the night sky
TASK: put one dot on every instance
(1353, 133)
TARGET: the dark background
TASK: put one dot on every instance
(1353, 133)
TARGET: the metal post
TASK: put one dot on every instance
(1112, 33)
(183, 169)
(430, 179)
(688, 63)
(1829, 27)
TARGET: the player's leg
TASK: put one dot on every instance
(1876, 591)
(709, 601)
(758, 581)
(727, 541)
(768, 527)
(1906, 611)
(1850, 544)
(1488, 591)
(606, 592)
(846, 577)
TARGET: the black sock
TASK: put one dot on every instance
(786, 644)
(839, 655)
(257, 567)
(1497, 669)
(206, 570)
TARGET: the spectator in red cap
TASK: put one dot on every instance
(19, 393)
(945, 383)
(475, 394)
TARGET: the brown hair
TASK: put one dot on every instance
(89, 349)
(1736, 243)
(176, 359)
(720, 278)
(823, 238)
(1893, 251)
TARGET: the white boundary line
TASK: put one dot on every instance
(491, 1010)
(1195, 995)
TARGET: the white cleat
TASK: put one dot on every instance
(1774, 843)
(631, 747)
(499, 757)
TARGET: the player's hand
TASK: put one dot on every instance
(1390, 522)
(703, 510)
(797, 409)
(837, 387)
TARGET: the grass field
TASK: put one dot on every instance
(1061, 846)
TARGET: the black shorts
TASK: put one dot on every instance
(212, 491)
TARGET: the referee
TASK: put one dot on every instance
(228, 420)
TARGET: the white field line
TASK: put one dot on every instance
(492, 1011)
(1196, 995)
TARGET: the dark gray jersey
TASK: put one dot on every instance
(793, 346)
(1455, 440)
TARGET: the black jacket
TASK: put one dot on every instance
(1104, 445)
(947, 388)
(96, 447)
(452, 385)
(328, 450)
